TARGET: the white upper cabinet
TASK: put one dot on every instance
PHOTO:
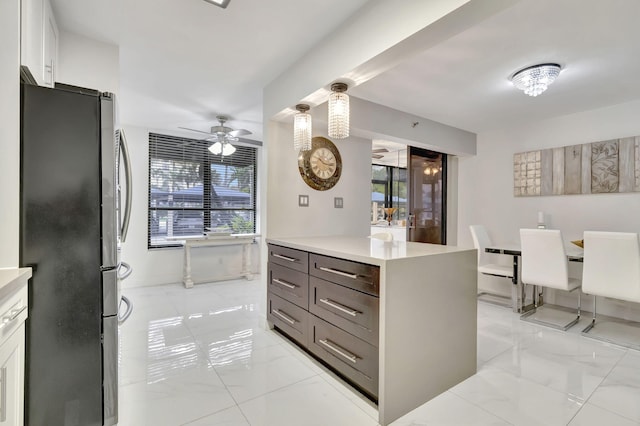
(39, 40)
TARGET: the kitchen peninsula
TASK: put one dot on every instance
(397, 319)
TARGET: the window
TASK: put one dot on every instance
(192, 190)
(388, 189)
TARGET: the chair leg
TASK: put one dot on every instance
(593, 321)
(579, 302)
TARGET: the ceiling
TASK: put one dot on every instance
(464, 81)
(182, 62)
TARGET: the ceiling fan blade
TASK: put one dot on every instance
(380, 150)
(239, 132)
(194, 130)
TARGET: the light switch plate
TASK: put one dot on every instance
(338, 202)
(303, 201)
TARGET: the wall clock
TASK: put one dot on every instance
(321, 166)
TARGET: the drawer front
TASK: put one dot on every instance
(289, 284)
(358, 276)
(352, 311)
(291, 258)
(354, 358)
(13, 312)
(291, 319)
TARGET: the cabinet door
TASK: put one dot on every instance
(31, 35)
(50, 45)
(12, 379)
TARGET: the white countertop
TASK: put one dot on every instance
(363, 249)
(12, 279)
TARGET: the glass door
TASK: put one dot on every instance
(427, 196)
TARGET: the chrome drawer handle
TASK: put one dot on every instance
(335, 271)
(286, 284)
(340, 351)
(12, 316)
(284, 317)
(340, 307)
(290, 259)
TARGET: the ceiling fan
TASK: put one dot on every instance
(222, 136)
(375, 153)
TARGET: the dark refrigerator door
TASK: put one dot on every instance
(60, 237)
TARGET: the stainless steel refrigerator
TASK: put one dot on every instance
(70, 234)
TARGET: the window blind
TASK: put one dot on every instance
(192, 190)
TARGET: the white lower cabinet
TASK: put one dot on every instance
(12, 378)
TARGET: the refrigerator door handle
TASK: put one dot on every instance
(127, 272)
(127, 171)
(127, 314)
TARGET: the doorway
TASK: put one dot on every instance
(426, 176)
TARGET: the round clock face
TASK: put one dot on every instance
(321, 166)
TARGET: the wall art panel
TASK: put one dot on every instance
(591, 168)
(604, 167)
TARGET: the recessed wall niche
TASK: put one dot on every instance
(592, 168)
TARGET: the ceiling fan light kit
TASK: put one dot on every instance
(302, 128)
(535, 79)
(338, 111)
(222, 136)
(221, 3)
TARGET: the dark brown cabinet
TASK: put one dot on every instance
(330, 307)
(351, 310)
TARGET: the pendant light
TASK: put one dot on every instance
(338, 111)
(302, 128)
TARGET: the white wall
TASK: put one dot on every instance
(9, 131)
(284, 183)
(164, 266)
(486, 185)
(88, 63)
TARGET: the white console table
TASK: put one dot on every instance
(245, 240)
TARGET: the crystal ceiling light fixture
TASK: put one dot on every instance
(535, 79)
(302, 128)
(222, 3)
(338, 111)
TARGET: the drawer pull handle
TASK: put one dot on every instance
(284, 317)
(290, 259)
(335, 271)
(12, 316)
(340, 307)
(284, 283)
(340, 351)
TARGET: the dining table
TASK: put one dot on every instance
(518, 294)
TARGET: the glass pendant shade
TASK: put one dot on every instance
(338, 112)
(302, 129)
(535, 80)
(220, 148)
(228, 149)
(216, 148)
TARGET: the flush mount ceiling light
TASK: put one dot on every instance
(302, 128)
(535, 79)
(222, 3)
(338, 111)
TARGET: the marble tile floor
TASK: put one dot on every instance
(204, 357)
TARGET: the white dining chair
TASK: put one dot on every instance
(481, 241)
(545, 264)
(612, 269)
